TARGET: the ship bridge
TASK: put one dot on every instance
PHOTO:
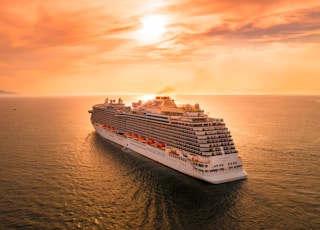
(156, 106)
(164, 105)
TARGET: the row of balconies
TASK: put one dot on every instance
(163, 135)
(181, 140)
(120, 123)
(190, 137)
(184, 140)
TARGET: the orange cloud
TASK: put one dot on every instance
(51, 45)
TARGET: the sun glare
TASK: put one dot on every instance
(147, 97)
(153, 27)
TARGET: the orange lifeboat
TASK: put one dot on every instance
(112, 129)
(128, 134)
(142, 139)
(135, 136)
(150, 141)
(160, 145)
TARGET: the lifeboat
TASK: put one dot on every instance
(105, 126)
(150, 141)
(142, 139)
(112, 129)
(127, 134)
(160, 145)
(135, 136)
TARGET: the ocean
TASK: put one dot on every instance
(57, 173)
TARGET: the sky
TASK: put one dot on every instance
(160, 47)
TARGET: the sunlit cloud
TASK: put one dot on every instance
(53, 43)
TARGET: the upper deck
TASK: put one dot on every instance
(164, 105)
(161, 107)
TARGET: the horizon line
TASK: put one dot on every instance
(162, 94)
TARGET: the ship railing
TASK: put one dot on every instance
(197, 128)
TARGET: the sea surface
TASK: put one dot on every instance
(57, 173)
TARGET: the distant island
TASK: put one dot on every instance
(3, 92)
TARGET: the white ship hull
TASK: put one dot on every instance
(181, 164)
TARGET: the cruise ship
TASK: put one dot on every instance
(182, 137)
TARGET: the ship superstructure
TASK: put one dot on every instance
(181, 137)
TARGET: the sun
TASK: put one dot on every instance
(153, 28)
